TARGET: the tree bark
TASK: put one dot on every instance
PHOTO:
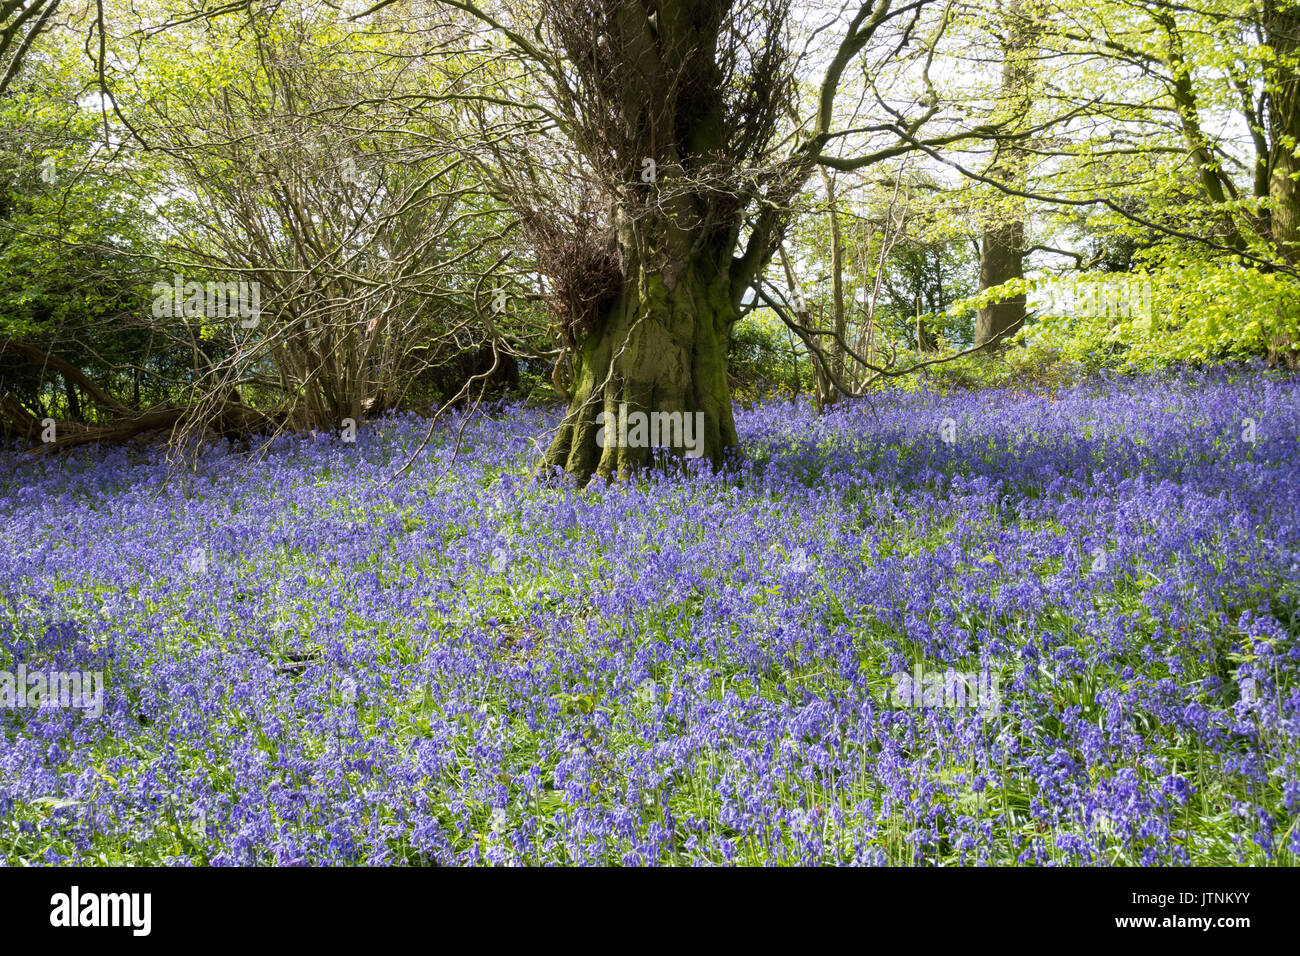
(837, 278)
(1001, 260)
(1282, 25)
(662, 348)
(74, 405)
(693, 97)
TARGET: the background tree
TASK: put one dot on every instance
(1002, 246)
(21, 22)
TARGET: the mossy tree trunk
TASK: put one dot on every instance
(670, 127)
(661, 348)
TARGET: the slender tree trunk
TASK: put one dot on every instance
(1217, 187)
(926, 340)
(837, 356)
(74, 405)
(1002, 246)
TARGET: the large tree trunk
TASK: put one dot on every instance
(647, 294)
(661, 348)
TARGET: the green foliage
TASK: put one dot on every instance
(935, 274)
(763, 360)
(1030, 367)
(1201, 311)
(76, 241)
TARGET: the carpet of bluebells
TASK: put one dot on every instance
(466, 665)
